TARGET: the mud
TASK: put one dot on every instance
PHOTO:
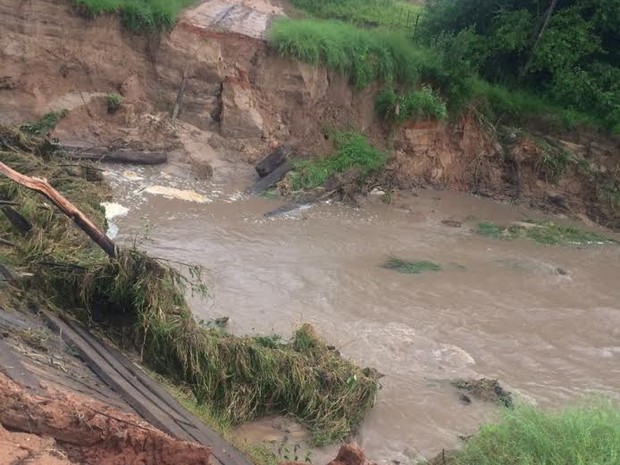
(63, 428)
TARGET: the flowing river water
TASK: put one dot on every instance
(544, 320)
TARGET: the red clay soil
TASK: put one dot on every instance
(63, 428)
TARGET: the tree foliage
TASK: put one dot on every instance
(574, 60)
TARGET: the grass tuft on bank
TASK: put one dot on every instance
(137, 15)
(139, 302)
(352, 151)
(525, 435)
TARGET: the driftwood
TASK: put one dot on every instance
(116, 156)
(271, 179)
(275, 166)
(43, 187)
(335, 183)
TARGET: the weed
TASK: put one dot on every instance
(423, 103)
(527, 435)
(46, 124)
(352, 151)
(553, 160)
(113, 101)
(409, 266)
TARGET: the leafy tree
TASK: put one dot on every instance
(567, 51)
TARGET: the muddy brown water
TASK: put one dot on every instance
(497, 309)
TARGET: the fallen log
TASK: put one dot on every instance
(116, 156)
(43, 187)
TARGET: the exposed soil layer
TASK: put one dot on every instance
(62, 428)
(245, 99)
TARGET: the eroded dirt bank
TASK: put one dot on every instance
(58, 428)
(241, 99)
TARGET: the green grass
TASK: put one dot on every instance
(137, 15)
(423, 103)
(47, 123)
(410, 266)
(370, 13)
(352, 151)
(362, 55)
(490, 230)
(544, 232)
(504, 105)
(585, 435)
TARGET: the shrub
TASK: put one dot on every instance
(113, 102)
(352, 151)
(47, 123)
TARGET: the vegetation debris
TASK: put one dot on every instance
(410, 266)
(543, 232)
(485, 389)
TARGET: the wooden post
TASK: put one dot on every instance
(177, 104)
(43, 187)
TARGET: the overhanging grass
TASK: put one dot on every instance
(137, 14)
(544, 232)
(374, 13)
(353, 151)
(139, 302)
(362, 55)
(423, 103)
(410, 266)
(586, 435)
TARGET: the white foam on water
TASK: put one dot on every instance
(179, 194)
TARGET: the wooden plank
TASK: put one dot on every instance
(142, 393)
(11, 365)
